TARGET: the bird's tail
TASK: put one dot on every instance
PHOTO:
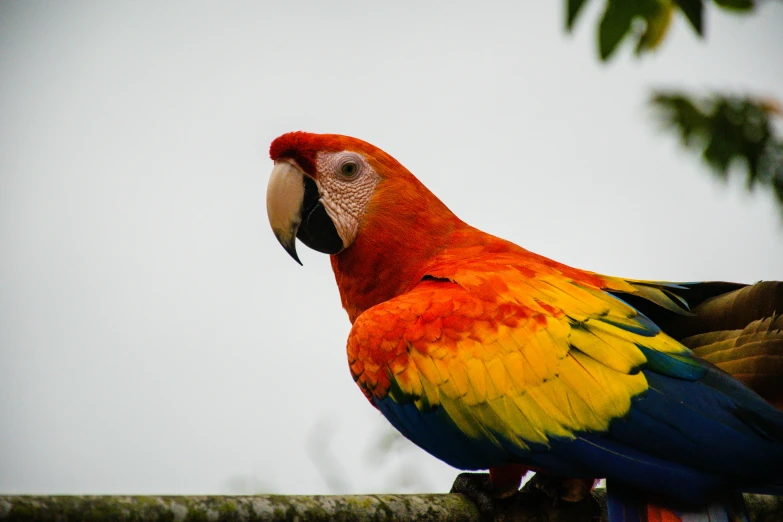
(624, 505)
(738, 328)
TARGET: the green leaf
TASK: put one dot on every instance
(573, 8)
(657, 17)
(736, 5)
(694, 11)
(615, 24)
(680, 113)
(727, 129)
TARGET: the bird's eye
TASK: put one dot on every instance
(349, 169)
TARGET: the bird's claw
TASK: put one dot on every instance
(478, 488)
(560, 488)
(494, 505)
(533, 502)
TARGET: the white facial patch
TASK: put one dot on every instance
(345, 190)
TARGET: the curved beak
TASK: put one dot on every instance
(284, 198)
(295, 210)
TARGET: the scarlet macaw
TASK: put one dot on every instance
(489, 356)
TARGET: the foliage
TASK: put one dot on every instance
(646, 21)
(725, 129)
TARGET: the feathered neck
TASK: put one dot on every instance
(405, 226)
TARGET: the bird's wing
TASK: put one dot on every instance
(482, 367)
(737, 327)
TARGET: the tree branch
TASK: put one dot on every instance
(280, 507)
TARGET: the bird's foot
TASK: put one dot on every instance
(561, 488)
(499, 501)
(561, 498)
(531, 503)
(478, 488)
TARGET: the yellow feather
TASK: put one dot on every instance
(465, 419)
(515, 365)
(534, 359)
(510, 374)
(426, 366)
(618, 354)
(540, 424)
(513, 419)
(459, 377)
(557, 417)
(580, 416)
(578, 298)
(410, 382)
(477, 373)
(498, 376)
(430, 395)
(610, 391)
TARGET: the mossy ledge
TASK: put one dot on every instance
(286, 508)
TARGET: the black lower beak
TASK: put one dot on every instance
(317, 229)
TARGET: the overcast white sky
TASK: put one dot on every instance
(155, 338)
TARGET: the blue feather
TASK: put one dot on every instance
(674, 365)
(437, 434)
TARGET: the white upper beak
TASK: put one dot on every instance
(284, 197)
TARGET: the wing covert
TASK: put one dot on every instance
(507, 358)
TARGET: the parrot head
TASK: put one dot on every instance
(319, 189)
(345, 197)
(326, 188)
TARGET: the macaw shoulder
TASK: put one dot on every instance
(503, 351)
(494, 259)
(432, 319)
(520, 311)
(496, 255)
